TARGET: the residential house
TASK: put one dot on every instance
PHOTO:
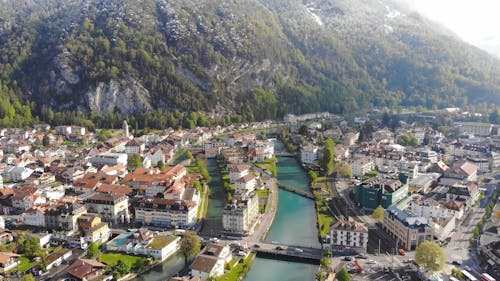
(246, 183)
(206, 267)
(349, 234)
(309, 154)
(57, 258)
(237, 171)
(111, 207)
(93, 228)
(134, 147)
(86, 270)
(8, 261)
(219, 251)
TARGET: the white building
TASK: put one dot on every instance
(206, 267)
(112, 207)
(34, 217)
(238, 171)
(15, 174)
(362, 166)
(309, 154)
(110, 159)
(166, 212)
(134, 147)
(246, 183)
(239, 217)
(349, 234)
(477, 129)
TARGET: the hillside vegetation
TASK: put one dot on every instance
(229, 60)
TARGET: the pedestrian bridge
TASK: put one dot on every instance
(278, 250)
(299, 191)
(284, 154)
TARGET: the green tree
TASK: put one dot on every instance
(28, 277)
(161, 166)
(343, 275)
(314, 176)
(320, 276)
(46, 140)
(325, 262)
(189, 155)
(134, 161)
(327, 163)
(190, 245)
(430, 256)
(345, 170)
(31, 247)
(457, 273)
(408, 139)
(378, 213)
(122, 268)
(93, 250)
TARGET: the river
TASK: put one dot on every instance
(295, 224)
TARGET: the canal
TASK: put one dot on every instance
(295, 224)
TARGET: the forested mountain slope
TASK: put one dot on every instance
(254, 59)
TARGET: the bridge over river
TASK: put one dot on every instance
(288, 251)
(299, 191)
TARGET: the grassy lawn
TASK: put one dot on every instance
(324, 217)
(113, 258)
(263, 193)
(25, 264)
(239, 270)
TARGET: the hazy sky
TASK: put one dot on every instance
(475, 21)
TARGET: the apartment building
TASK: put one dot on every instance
(349, 234)
(166, 212)
(111, 207)
(408, 229)
(239, 216)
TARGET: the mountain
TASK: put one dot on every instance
(255, 59)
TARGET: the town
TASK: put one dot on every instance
(393, 196)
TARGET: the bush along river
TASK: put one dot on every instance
(295, 224)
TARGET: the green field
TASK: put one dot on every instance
(113, 258)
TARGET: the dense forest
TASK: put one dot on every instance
(197, 62)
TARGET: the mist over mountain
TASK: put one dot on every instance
(254, 58)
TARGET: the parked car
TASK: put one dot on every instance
(371, 262)
(279, 248)
(348, 258)
(256, 245)
(457, 263)
(298, 250)
(361, 257)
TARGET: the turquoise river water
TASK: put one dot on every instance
(295, 224)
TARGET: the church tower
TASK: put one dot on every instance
(125, 129)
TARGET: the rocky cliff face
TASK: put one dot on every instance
(236, 56)
(128, 97)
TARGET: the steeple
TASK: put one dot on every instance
(125, 129)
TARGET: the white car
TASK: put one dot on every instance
(371, 262)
